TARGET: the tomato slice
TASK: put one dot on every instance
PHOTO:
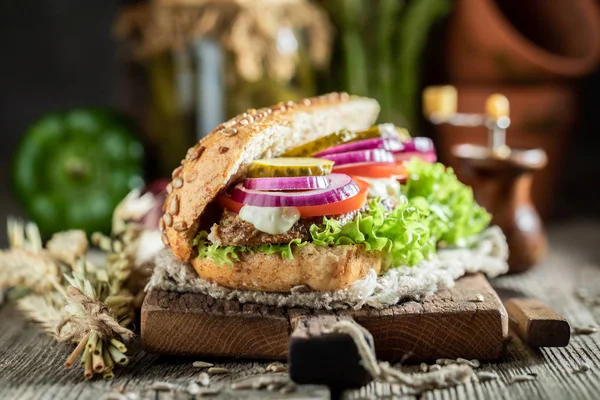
(341, 207)
(374, 170)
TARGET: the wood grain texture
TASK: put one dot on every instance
(31, 363)
(448, 325)
(193, 324)
(537, 324)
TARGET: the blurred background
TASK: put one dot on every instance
(166, 72)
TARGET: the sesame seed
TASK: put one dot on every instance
(177, 171)
(479, 298)
(243, 122)
(174, 205)
(180, 226)
(168, 219)
(165, 239)
(177, 182)
(202, 364)
(276, 367)
(204, 379)
(223, 149)
(585, 330)
(582, 368)
(193, 388)
(522, 378)
(229, 132)
(487, 376)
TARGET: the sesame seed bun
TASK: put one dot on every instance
(223, 157)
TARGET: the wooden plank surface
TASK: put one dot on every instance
(193, 324)
(447, 325)
(467, 320)
(537, 324)
(31, 363)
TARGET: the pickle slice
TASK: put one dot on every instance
(345, 136)
(321, 144)
(289, 167)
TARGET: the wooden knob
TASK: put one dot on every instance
(497, 106)
(439, 102)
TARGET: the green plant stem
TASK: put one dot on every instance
(348, 13)
(413, 30)
(386, 16)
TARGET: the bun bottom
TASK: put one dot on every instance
(320, 268)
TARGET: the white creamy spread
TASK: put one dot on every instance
(386, 187)
(271, 220)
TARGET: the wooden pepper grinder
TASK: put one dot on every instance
(500, 176)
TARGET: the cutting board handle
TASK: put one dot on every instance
(319, 356)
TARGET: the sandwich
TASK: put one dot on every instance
(313, 194)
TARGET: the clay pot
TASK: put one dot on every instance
(541, 117)
(503, 187)
(522, 40)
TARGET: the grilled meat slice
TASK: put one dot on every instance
(233, 231)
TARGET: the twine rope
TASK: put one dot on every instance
(96, 317)
(450, 375)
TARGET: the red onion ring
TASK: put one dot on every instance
(389, 144)
(285, 184)
(361, 156)
(341, 187)
(417, 145)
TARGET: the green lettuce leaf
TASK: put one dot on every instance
(402, 234)
(454, 214)
(435, 207)
(226, 255)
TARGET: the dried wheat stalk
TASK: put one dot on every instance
(77, 301)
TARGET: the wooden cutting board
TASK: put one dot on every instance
(450, 324)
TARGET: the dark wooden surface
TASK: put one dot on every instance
(537, 324)
(31, 363)
(339, 359)
(449, 324)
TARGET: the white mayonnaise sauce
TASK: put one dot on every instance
(386, 187)
(271, 220)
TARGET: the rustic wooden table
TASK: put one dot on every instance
(31, 363)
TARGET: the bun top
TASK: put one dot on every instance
(224, 155)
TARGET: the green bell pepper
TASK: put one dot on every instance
(71, 170)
